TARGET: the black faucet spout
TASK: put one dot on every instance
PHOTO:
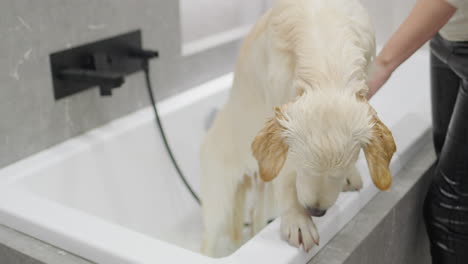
(104, 79)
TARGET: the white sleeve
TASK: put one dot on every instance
(457, 3)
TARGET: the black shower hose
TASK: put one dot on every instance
(159, 125)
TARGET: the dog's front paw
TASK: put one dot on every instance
(353, 182)
(298, 229)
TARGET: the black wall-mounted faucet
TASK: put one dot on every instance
(102, 64)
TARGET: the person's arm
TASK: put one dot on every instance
(424, 21)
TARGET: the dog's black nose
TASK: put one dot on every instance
(316, 212)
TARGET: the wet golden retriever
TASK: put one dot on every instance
(303, 70)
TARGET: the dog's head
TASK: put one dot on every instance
(321, 133)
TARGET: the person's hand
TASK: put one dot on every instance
(378, 76)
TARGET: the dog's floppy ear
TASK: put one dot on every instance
(379, 153)
(269, 148)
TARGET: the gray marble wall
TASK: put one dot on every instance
(31, 120)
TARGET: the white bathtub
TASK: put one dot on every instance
(112, 195)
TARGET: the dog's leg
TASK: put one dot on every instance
(224, 218)
(212, 232)
(214, 221)
(353, 181)
(297, 227)
(218, 223)
(237, 226)
(217, 202)
(258, 215)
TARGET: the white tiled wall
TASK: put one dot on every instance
(387, 15)
(204, 18)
